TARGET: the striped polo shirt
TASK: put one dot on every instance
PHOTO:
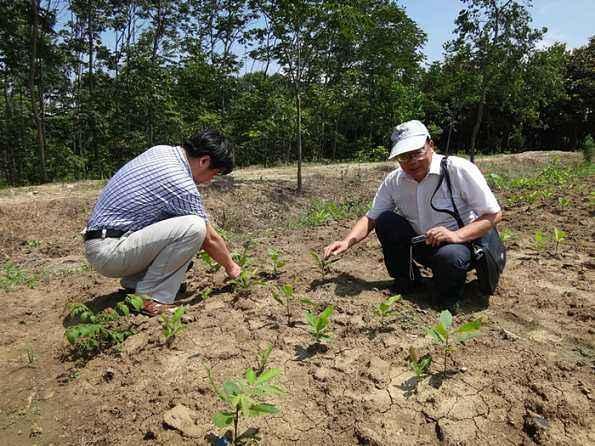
(154, 186)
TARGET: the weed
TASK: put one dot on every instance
(323, 265)
(564, 202)
(172, 326)
(244, 397)
(443, 333)
(321, 212)
(276, 260)
(211, 265)
(95, 331)
(559, 237)
(319, 325)
(12, 276)
(420, 366)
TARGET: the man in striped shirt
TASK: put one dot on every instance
(149, 221)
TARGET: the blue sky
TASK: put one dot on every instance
(568, 21)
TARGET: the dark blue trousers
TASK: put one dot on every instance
(449, 263)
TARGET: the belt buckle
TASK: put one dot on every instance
(103, 233)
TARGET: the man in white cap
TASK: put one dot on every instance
(402, 210)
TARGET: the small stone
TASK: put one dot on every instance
(36, 431)
(184, 420)
(463, 369)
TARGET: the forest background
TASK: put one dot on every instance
(89, 84)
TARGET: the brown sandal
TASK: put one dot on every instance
(153, 308)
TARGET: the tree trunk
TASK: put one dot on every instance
(476, 126)
(37, 119)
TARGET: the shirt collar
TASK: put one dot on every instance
(435, 164)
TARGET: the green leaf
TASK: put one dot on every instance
(223, 419)
(436, 335)
(307, 302)
(469, 327)
(231, 388)
(277, 298)
(446, 319)
(326, 313)
(122, 308)
(262, 409)
(250, 376)
(135, 301)
(267, 375)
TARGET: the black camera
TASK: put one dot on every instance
(418, 240)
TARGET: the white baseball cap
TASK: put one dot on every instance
(408, 136)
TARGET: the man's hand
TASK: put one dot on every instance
(440, 235)
(233, 271)
(335, 248)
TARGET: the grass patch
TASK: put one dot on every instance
(321, 212)
(12, 276)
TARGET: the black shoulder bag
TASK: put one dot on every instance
(488, 254)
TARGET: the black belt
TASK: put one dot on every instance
(103, 233)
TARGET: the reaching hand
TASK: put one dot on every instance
(335, 248)
(440, 235)
(234, 270)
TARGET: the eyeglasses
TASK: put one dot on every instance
(410, 156)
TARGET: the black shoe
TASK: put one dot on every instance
(405, 286)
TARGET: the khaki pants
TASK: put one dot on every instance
(152, 260)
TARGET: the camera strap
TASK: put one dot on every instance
(444, 175)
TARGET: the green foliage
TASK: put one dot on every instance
(244, 397)
(284, 296)
(378, 153)
(262, 358)
(385, 309)
(276, 260)
(210, 264)
(243, 259)
(319, 325)
(420, 366)
(98, 331)
(539, 240)
(206, 293)
(12, 276)
(443, 333)
(33, 243)
(245, 281)
(323, 265)
(172, 325)
(587, 147)
(506, 234)
(564, 202)
(322, 212)
(559, 237)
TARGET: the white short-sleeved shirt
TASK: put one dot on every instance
(401, 193)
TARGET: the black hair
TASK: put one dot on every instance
(212, 143)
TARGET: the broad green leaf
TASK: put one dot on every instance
(250, 376)
(434, 333)
(135, 301)
(446, 319)
(122, 308)
(223, 419)
(469, 326)
(231, 388)
(267, 375)
(262, 408)
(326, 313)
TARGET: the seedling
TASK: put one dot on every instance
(559, 236)
(319, 325)
(212, 266)
(285, 297)
(420, 366)
(244, 282)
(263, 359)
(206, 293)
(539, 240)
(244, 397)
(243, 259)
(443, 333)
(323, 265)
(33, 243)
(276, 260)
(564, 202)
(384, 310)
(30, 356)
(506, 234)
(12, 276)
(172, 326)
(96, 331)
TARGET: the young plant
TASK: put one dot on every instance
(172, 326)
(243, 259)
(559, 237)
(276, 260)
(244, 398)
(12, 276)
(206, 293)
(323, 265)
(97, 331)
(420, 366)
(506, 234)
(539, 240)
(212, 266)
(319, 325)
(285, 297)
(30, 356)
(384, 310)
(263, 359)
(564, 202)
(245, 281)
(444, 334)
